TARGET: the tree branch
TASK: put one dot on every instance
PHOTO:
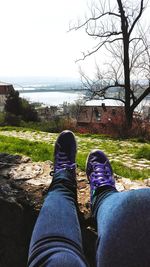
(135, 38)
(103, 35)
(115, 98)
(93, 19)
(110, 98)
(142, 96)
(137, 18)
(101, 91)
(98, 47)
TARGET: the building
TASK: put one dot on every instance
(47, 113)
(102, 119)
(5, 89)
(146, 112)
(89, 115)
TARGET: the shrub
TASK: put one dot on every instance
(2, 118)
(12, 119)
(19, 107)
(55, 125)
(13, 103)
(28, 112)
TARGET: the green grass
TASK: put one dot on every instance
(143, 152)
(81, 160)
(41, 151)
(108, 145)
(14, 128)
(38, 151)
(127, 172)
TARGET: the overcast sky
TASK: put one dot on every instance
(35, 41)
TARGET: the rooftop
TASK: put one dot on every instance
(4, 84)
(6, 88)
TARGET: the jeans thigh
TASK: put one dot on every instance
(124, 230)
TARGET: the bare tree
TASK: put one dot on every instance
(116, 26)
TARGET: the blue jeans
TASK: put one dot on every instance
(123, 225)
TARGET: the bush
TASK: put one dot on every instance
(2, 118)
(19, 107)
(28, 112)
(13, 103)
(140, 130)
(12, 119)
(54, 126)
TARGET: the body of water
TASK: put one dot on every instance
(58, 98)
(57, 92)
(52, 98)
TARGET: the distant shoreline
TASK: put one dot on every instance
(50, 90)
(70, 91)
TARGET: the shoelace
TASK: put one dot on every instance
(101, 175)
(100, 172)
(62, 162)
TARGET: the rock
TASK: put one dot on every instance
(120, 187)
(19, 205)
(147, 182)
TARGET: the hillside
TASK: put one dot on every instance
(24, 184)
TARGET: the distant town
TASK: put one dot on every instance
(101, 118)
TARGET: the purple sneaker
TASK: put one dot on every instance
(99, 171)
(65, 152)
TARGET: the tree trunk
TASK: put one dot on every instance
(128, 117)
(126, 63)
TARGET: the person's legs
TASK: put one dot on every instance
(123, 218)
(123, 223)
(56, 239)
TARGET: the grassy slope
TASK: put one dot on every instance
(117, 150)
